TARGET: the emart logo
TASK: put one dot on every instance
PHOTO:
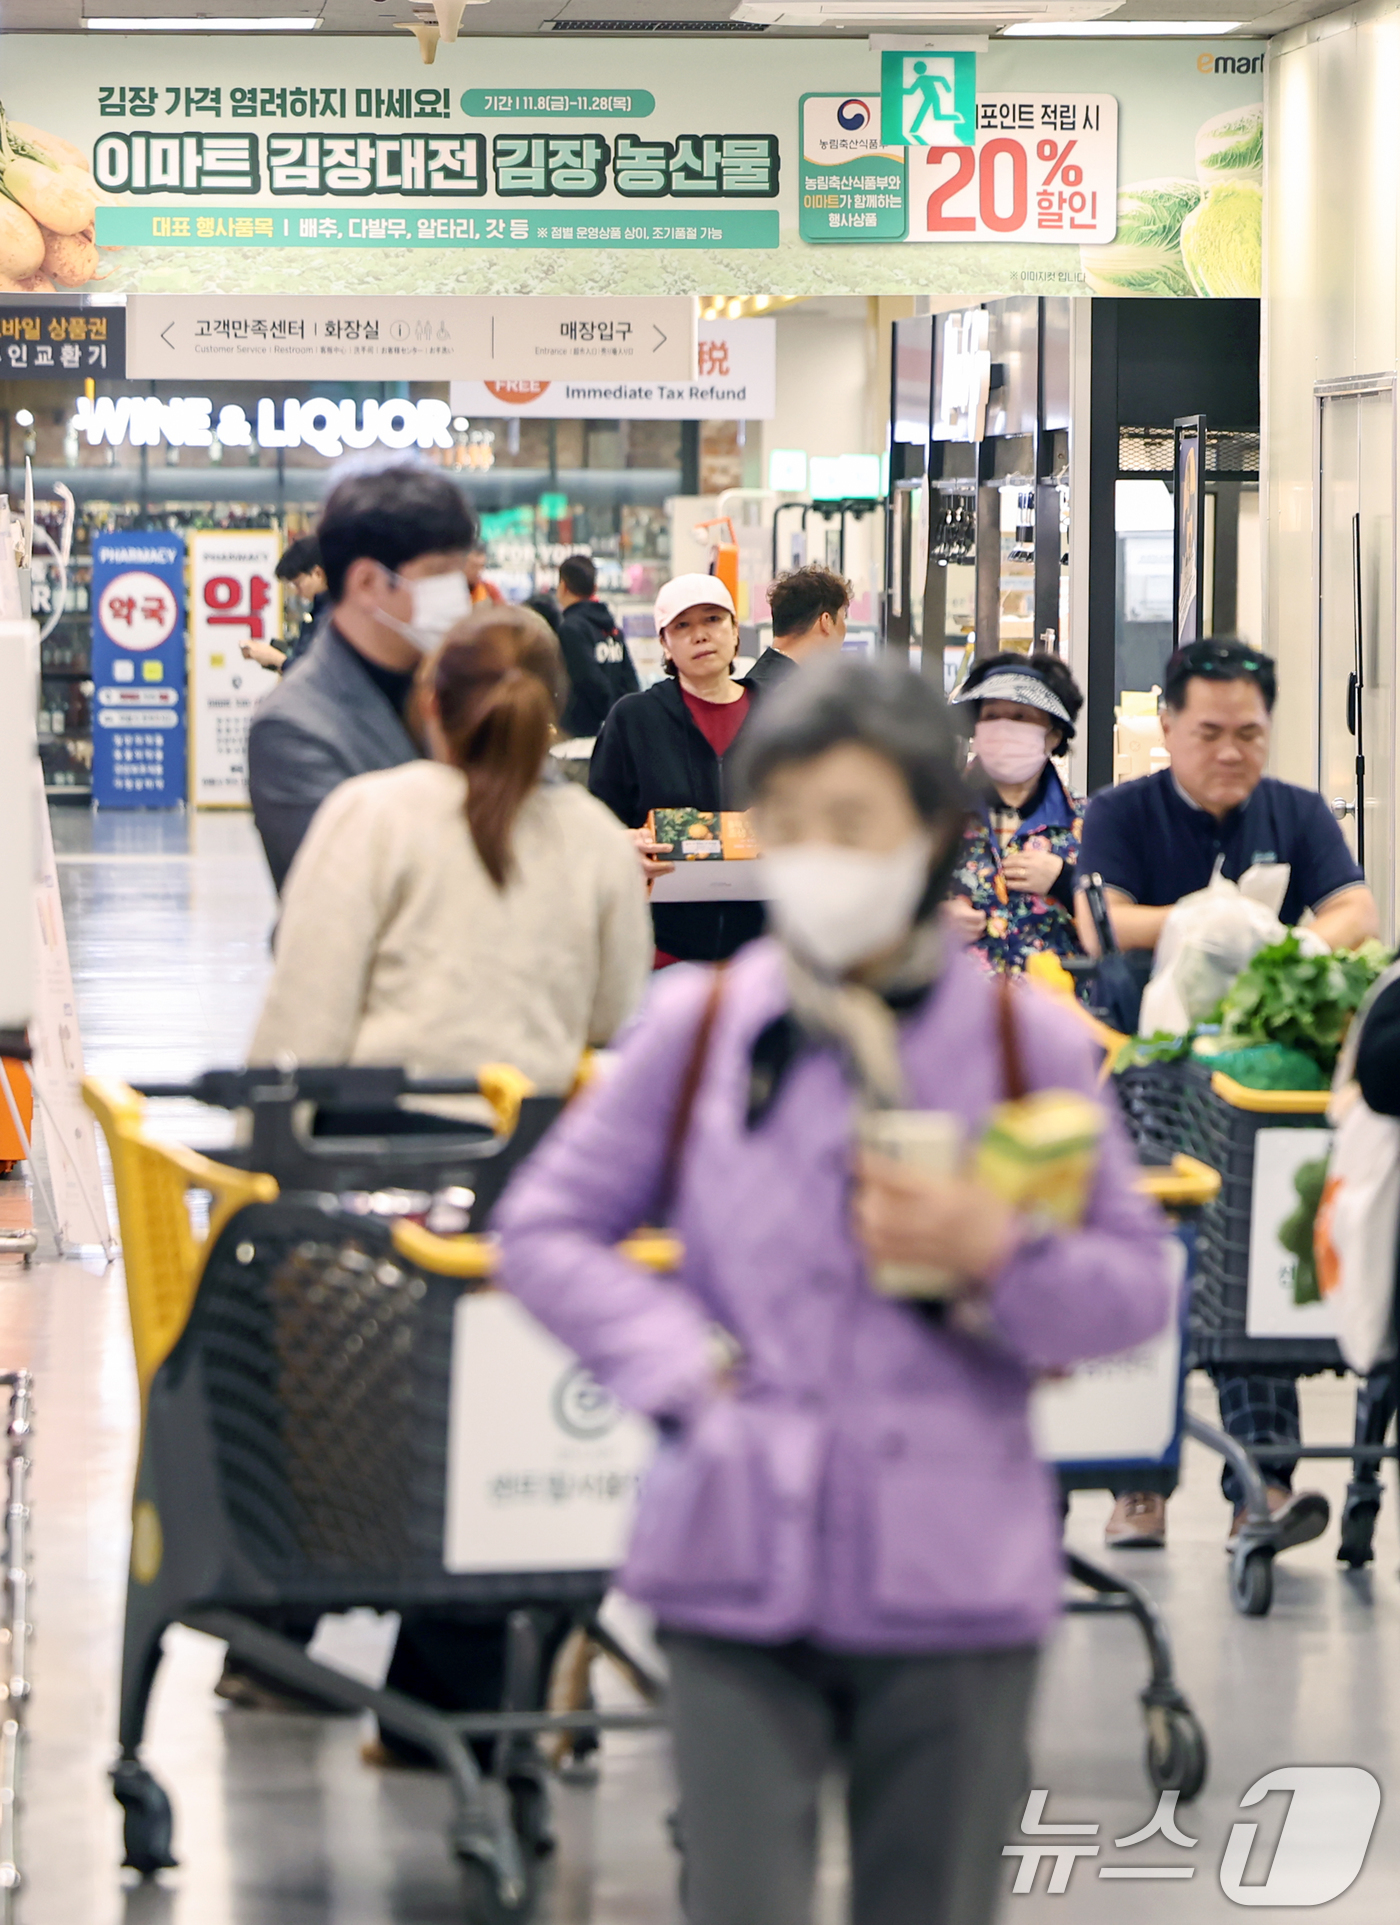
(1230, 63)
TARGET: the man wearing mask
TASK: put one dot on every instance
(599, 668)
(394, 547)
(1158, 839)
(808, 609)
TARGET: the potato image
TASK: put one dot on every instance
(21, 242)
(70, 259)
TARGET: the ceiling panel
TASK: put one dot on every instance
(533, 16)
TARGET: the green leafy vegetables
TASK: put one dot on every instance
(1302, 1002)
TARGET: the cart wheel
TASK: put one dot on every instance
(677, 1837)
(1252, 1582)
(482, 1903)
(529, 1814)
(1358, 1529)
(1180, 1764)
(149, 1823)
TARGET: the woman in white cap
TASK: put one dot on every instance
(1013, 891)
(671, 747)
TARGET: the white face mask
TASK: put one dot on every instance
(1011, 751)
(837, 907)
(439, 601)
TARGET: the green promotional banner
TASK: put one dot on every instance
(620, 166)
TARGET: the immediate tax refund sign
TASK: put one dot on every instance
(138, 671)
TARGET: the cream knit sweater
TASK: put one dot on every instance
(396, 947)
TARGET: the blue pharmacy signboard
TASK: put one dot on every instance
(138, 670)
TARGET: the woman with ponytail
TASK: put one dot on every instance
(467, 908)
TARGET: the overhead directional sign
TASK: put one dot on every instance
(462, 337)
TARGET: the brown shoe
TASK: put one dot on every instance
(1138, 1522)
(1299, 1517)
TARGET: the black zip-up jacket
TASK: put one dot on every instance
(650, 755)
(599, 667)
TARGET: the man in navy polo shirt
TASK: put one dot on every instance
(1158, 839)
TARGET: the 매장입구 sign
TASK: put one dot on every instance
(138, 670)
(235, 598)
(736, 377)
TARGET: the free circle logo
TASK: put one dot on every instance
(853, 115)
(137, 610)
(582, 1408)
(517, 393)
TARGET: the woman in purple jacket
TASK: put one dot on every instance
(848, 1541)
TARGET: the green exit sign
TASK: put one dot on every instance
(928, 99)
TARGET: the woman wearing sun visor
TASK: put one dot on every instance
(672, 747)
(1013, 890)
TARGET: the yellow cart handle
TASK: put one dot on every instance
(1184, 1184)
(476, 1257)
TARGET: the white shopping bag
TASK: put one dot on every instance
(1354, 1238)
(1120, 1409)
(1208, 938)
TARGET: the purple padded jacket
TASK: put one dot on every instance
(872, 1485)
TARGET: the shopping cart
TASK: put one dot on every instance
(1184, 1106)
(1141, 1398)
(1233, 1127)
(295, 1360)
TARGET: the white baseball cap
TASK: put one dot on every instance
(691, 591)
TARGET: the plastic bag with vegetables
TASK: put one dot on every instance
(1206, 941)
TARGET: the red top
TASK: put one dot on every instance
(718, 722)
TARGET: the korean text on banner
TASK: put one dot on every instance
(358, 189)
(1044, 169)
(235, 598)
(138, 670)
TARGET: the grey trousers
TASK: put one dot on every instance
(934, 1752)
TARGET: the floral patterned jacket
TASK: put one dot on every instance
(1018, 923)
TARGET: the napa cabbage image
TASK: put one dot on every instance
(1222, 240)
(1199, 237)
(1144, 256)
(1231, 147)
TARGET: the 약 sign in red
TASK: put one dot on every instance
(235, 599)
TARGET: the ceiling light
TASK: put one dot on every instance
(1137, 29)
(927, 13)
(200, 23)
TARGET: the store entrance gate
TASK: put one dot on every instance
(1356, 557)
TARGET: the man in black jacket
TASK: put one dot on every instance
(808, 608)
(599, 668)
